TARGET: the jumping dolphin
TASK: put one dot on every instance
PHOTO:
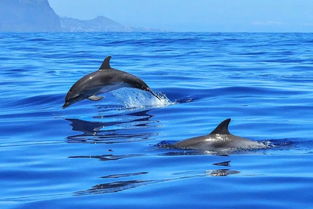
(219, 140)
(103, 80)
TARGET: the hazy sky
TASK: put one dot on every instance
(197, 15)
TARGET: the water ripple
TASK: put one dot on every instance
(114, 153)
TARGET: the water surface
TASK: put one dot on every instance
(105, 154)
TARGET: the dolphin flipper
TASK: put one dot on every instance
(95, 98)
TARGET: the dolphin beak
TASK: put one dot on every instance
(66, 104)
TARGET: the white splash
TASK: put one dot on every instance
(133, 98)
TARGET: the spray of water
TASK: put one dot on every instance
(140, 99)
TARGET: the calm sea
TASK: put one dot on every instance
(106, 154)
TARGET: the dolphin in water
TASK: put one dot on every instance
(219, 140)
(103, 80)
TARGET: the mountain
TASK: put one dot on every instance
(98, 24)
(38, 16)
(28, 16)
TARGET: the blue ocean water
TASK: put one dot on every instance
(105, 154)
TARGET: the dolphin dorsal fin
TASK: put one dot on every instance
(105, 63)
(222, 128)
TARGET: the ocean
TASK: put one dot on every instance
(107, 154)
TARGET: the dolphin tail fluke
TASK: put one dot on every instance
(222, 128)
(154, 94)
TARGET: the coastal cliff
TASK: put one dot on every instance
(28, 16)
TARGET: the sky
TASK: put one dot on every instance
(197, 15)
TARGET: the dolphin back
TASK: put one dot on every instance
(220, 139)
